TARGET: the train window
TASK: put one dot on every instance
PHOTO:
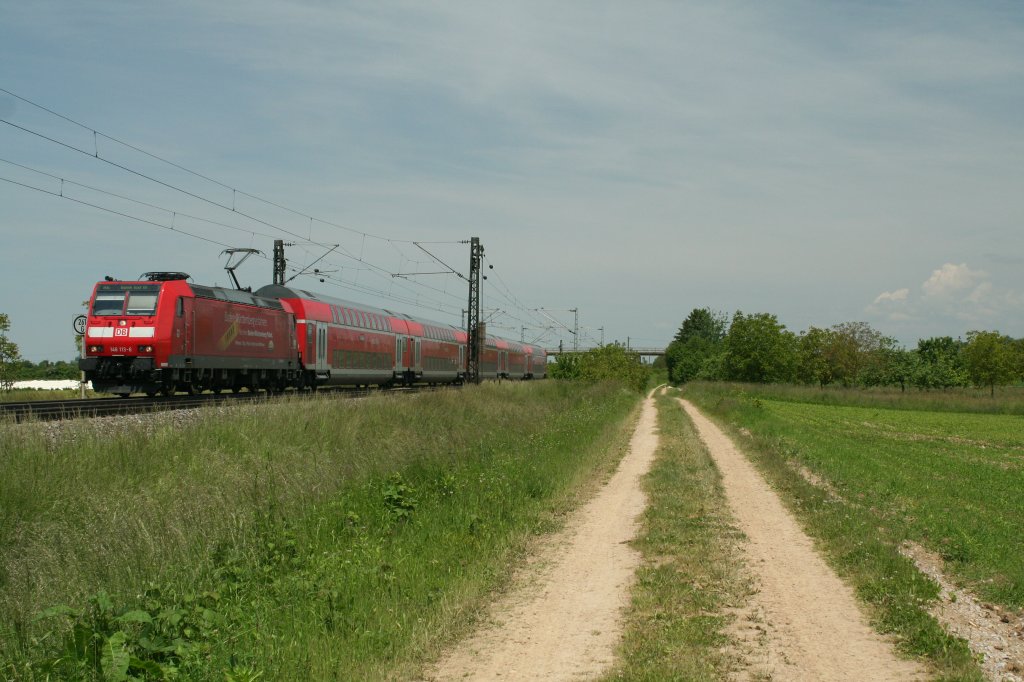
(141, 303)
(108, 304)
(110, 299)
(180, 307)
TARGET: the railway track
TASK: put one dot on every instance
(46, 410)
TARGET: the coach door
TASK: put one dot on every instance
(399, 353)
(414, 351)
(321, 346)
(316, 346)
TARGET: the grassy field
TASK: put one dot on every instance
(1007, 400)
(949, 480)
(305, 540)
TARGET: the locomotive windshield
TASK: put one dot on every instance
(125, 299)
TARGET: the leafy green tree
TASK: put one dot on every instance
(9, 354)
(703, 323)
(813, 366)
(611, 362)
(855, 348)
(988, 359)
(938, 348)
(566, 366)
(1017, 359)
(26, 369)
(615, 363)
(939, 363)
(686, 358)
(899, 366)
(758, 348)
(882, 366)
(699, 337)
(713, 368)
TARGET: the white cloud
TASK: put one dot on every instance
(980, 293)
(892, 296)
(951, 279)
(968, 298)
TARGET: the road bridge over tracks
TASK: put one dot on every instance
(642, 352)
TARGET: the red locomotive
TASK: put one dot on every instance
(162, 334)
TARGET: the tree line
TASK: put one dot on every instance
(758, 348)
(14, 368)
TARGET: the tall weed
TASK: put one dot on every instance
(319, 538)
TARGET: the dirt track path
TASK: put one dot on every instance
(563, 621)
(803, 622)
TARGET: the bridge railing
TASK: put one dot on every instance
(646, 352)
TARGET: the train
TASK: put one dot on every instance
(162, 334)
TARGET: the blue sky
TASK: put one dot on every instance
(826, 162)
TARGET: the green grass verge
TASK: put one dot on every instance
(303, 540)
(1007, 400)
(690, 573)
(899, 477)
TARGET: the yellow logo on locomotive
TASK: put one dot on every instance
(229, 336)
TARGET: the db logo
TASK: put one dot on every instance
(120, 331)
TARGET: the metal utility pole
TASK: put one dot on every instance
(279, 261)
(576, 330)
(474, 330)
(601, 329)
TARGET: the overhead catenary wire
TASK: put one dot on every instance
(175, 213)
(65, 181)
(404, 294)
(171, 227)
(416, 301)
(96, 133)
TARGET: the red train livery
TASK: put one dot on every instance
(162, 335)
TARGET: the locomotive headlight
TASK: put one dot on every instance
(95, 349)
(145, 349)
(122, 322)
